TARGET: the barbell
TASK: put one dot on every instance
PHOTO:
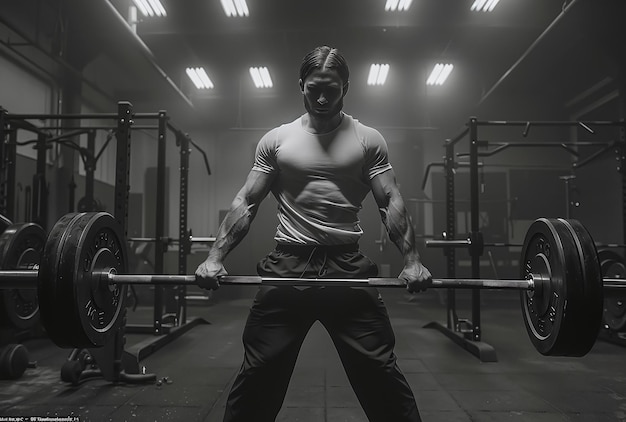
(81, 283)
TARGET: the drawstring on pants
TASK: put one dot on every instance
(322, 271)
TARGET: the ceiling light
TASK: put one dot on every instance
(261, 77)
(439, 74)
(235, 7)
(378, 74)
(150, 7)
(393, 5)
(484, 5)
(199, 78)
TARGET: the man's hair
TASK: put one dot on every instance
(325, 57)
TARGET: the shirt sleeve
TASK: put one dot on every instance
(376, 152)
(265, 155)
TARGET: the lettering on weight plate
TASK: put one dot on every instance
(91, 310)
(115, 297)
(95, 315)
(529, 270)
(114, 247)
(89, 254)
(554, 303)
(541, 326)
(101, 321)
(102, 239)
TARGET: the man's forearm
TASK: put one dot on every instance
(232, 230)
(400, 229)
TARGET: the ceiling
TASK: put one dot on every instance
(550, 51)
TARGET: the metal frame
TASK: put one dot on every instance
(182, 140)
(474, 344)
(164, 297)
(620, 150)
(114, 362)
(8, 156)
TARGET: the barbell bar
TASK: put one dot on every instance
(82, 277)
(21, 279)
(27, 279)
(322, 282)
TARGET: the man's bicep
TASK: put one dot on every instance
(256, 187)
(384, 187)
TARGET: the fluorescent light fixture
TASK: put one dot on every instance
(199, 78)
(150, 7)
(261, 77)
(439, 74)
(235, 7)
(484, 5)
(401, 5)
(378, 74)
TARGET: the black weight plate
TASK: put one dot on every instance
(551, 256)
(21, 246)
(95, 243)
(613, 266)
(589, 308)
(54, 314)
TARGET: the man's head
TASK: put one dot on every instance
(324, 81)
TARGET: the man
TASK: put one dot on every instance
(319, 167)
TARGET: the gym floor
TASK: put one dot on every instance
(450, 384)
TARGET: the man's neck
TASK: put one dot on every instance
(319, 125)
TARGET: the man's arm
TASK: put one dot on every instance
(234, 227)
(400, 229)
(242, 211)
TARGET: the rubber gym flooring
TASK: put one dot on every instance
(450, 384)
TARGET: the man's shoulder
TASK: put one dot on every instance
(275, 136)
(365, 131)
(283, 128)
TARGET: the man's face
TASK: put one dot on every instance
(323, 92)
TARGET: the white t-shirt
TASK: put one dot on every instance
(321, 179)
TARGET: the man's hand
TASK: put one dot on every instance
(417, 277)
(208, 272)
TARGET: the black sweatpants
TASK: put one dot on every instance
(355, 318)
